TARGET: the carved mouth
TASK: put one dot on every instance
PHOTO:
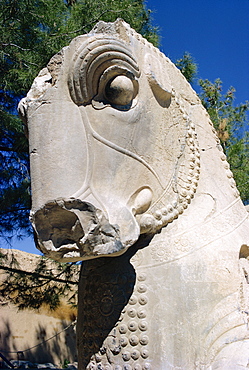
(73, 230)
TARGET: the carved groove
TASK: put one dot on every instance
(90, 62)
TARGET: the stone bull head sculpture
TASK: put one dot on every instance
(125, 163)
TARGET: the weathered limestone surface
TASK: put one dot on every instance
(125, 163)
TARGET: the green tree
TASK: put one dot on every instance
(32, 31)
(47, 284)
(230, 121)
(188, 67)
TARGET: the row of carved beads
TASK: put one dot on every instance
(127, 341)
(134, 340)
(145, 366)
(133, 326)
(185, 186)
(229, 174)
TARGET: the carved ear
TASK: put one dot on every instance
(159, 80)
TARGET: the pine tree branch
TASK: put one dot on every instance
(17, 46)
(25, 63)
(50, 278)
(92, 22)
(6, 149)
(14, 210)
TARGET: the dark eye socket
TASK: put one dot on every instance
(120, 90)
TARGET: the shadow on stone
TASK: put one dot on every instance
(105, 287)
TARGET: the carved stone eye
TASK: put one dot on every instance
(119, 90)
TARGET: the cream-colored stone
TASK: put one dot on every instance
(146, 181)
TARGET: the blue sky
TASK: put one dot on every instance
(214, 32)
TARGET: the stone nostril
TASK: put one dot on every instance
(73, 230)
(55, 223)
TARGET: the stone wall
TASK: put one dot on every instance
(36, 335)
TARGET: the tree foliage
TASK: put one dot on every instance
(32, 31)
(188, 67)
(230, 121)
(46, 285)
